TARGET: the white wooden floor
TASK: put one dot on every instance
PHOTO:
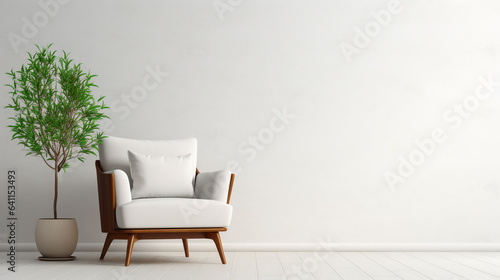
(264, 266)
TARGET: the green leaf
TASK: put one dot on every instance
(53, 106)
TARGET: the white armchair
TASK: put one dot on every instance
(202, 212)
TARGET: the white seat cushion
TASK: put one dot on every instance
(173, 213)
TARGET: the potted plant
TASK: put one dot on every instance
(55, 118)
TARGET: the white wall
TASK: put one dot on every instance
(323, 175)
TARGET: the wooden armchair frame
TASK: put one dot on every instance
(107, 206)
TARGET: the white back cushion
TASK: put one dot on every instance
(113, 152)
(161, 176)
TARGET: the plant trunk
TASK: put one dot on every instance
(55, 193)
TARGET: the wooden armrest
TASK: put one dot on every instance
(107, 199)
(230, 188)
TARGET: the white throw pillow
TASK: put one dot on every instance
(212, 185)
(161, 176)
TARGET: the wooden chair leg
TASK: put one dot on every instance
(109, 239)
(130, 245)
(215, 236)
(186, 249)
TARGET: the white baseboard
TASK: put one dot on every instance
(156, 246)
